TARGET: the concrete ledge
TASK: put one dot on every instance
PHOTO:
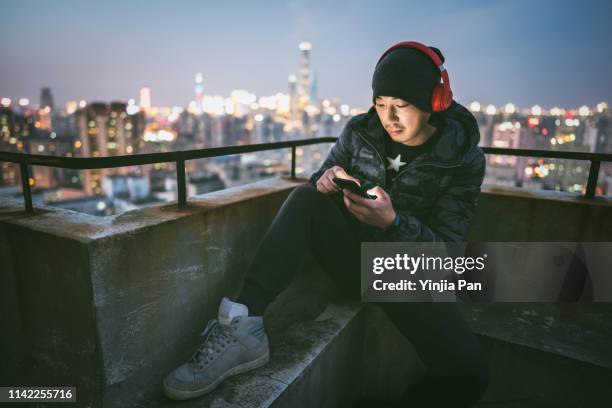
(96, 301)
(505, 214)
(576, 331)
(311, 364)
(545, 195)
(86, 228)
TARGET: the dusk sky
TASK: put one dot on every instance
(525, 52)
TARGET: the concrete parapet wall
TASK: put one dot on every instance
(505, 214)
(100, 300)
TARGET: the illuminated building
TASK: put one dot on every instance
(7, 127)
(8, 142)
(145, 98)
(91, 124)
(303, 80)
(199, 92)
(16, 128)
(44, 119)
(106, 130)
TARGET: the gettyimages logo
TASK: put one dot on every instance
(413, 264)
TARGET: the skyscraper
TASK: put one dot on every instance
(303, 85)
(46, 100)
(8, 141)
(145, 98)
(106, 130)
(91, 123)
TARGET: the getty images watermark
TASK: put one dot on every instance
(486, 272)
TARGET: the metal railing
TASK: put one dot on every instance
(594, 158)
(179, 157)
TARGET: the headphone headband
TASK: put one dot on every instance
(443, 98)
(421, 47)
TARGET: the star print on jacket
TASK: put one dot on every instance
(395, 164)
(404, 155)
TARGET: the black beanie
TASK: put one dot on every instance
(409, 74)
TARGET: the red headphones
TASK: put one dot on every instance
(442, 96)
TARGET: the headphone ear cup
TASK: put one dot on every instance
(448, 98)
(440, 99)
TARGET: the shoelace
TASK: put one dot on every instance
(215, 336)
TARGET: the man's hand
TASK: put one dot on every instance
(378, 212)
(325, 183)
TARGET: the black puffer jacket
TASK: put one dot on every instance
(435, 194)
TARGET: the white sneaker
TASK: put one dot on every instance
(233, 343)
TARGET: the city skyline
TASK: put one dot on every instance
(103, 64)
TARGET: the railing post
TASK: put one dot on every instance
(180, 183)
(292, 162)
(593, 176)
(25, 187)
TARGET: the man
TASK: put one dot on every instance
(417, 151)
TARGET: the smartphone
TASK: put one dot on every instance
(354, 187)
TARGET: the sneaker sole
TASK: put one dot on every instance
(239, 369)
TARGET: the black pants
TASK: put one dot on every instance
(457, 373)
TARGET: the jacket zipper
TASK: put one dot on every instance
(424, 163)
(384, 181)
